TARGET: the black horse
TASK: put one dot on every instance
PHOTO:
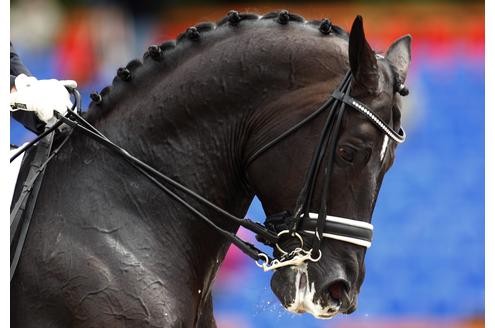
(106, 248)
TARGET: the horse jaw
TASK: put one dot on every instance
(304, 296)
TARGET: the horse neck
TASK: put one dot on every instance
(198, 143)
(198, 147)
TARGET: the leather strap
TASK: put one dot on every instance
(399, 137)
(353, 231)
(21, 214)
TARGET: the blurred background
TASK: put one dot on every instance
(426, 266)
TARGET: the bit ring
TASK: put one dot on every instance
(293, 234)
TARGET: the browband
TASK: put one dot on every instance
(399, 137)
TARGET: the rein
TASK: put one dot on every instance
(277, 226)
(154, 175)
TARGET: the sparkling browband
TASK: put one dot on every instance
(399, 137)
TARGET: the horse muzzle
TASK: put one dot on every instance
(298, 293)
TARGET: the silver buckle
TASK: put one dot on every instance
(297, 257)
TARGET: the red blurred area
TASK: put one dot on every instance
(235, 260)
(74, 52)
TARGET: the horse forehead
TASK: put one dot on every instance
(382, 103)
(358, 128)
(365, 129)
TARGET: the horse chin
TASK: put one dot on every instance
(297, 293)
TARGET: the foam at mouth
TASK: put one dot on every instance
(304, 295)
(303, 281)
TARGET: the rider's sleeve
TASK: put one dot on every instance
(28, 119)
(16, 66)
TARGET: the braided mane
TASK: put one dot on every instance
(168, 55)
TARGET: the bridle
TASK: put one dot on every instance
(321, 225)
(276, 227)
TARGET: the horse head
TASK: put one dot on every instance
(361, 156)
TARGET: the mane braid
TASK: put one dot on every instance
(166, 56)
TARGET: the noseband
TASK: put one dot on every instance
(277, 227)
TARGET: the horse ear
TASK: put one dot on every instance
(399, 54)
(362, 58)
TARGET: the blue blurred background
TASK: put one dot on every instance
(426, 266)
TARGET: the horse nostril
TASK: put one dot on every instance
(338, 290)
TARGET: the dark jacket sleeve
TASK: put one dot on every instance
(28, 119)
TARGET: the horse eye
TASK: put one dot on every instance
(346, 153)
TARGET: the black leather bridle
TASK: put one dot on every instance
(301, 221)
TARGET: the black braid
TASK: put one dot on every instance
(95, 97)
(124, 74)
(325, 26)
(283, 17)
(155, 52)
(232, 18)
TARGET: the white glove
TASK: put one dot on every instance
(41, 96)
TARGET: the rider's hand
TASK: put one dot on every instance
(41, 96)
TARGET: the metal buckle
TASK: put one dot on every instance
(297, 257)
(264, 258)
